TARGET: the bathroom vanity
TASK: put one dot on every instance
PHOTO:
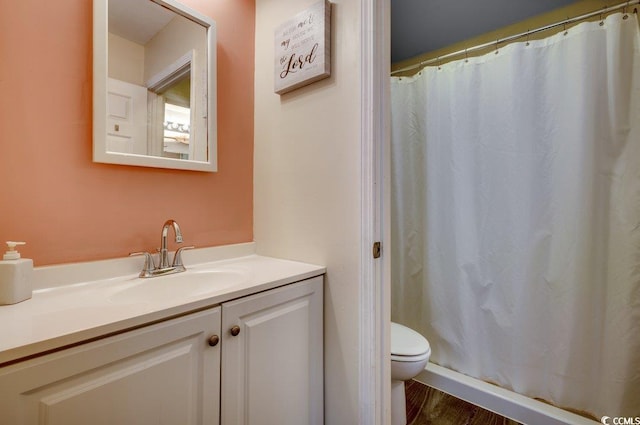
(246, 349)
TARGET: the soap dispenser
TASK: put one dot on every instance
(15, 276)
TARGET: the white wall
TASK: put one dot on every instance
(307, 184)
(172, 42)
(126, 60)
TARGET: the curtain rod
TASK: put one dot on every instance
(517, 36)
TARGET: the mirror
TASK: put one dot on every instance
(154, 85)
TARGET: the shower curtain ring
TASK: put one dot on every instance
(528, 34)
(601, 17)
(466, 56)
(624, 10)
(438, 63)
(497, 41)
(564, 26)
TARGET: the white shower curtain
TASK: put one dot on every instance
(516, 215)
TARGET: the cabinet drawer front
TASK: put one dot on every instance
(152, 375)
(272, 365)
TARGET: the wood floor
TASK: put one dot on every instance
(428, 406)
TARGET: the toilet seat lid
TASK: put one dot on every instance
(407, 342)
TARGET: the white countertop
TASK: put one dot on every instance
(65, 314)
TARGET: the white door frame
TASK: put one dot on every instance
(375, 288)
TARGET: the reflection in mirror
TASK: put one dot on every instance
(154, 85)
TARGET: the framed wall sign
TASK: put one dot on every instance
(303, 48)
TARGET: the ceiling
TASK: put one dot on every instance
(417, 26)
(137, 21)
(421, 26)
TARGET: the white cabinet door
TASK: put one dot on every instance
(166, 373)
(272, 370)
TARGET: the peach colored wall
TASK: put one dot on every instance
(70, 209)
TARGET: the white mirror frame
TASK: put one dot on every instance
(100, 75)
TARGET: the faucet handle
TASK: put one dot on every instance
(177, 258)
(149, 264)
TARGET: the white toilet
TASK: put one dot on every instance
(410, 353)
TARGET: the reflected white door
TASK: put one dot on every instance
(126, 117)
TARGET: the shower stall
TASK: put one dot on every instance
(515, 183)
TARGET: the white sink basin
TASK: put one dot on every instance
(189, 284)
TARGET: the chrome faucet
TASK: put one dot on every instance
(164, 256)
(149, 268)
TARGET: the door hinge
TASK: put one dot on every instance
(377, 249)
